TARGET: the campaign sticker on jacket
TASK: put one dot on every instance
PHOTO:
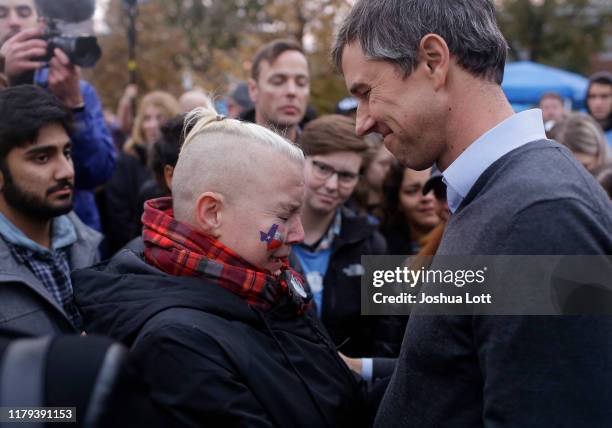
(297, 287)
(354, 270)
(315, 280)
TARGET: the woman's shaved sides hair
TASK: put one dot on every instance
(216, 150)
(391, 30)
(203, 121)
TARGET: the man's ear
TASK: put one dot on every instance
(209, 213)
(253, 89)
(434, 54)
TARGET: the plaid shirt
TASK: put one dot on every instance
(53, 270)
(177, 249)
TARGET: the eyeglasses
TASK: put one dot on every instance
(323, 171)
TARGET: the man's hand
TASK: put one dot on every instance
(64, 80)
(130, 93)
(355, 364)
(21, 52)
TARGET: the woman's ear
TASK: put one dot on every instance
(434, 53)
(209, 213)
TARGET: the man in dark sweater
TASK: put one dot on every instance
(432, 88)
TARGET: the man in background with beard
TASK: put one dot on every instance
(41, 239)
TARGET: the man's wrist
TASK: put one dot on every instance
(74, 103)
(79, 108)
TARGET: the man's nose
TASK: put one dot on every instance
(65, 169)
(14, 21)
(364, 123)
(291, 87)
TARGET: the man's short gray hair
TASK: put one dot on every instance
(391, 30)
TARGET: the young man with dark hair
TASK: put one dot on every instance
(599, 101)
(41, 240)
(280, 87)
(427, 75)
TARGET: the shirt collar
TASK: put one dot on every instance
(328, 238)
(63, 230)
(514, 132)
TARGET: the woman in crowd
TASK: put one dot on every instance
(408, 215)
(368, 196)
(582, 134)
(603, 175)
(335, 239)
(121, 192)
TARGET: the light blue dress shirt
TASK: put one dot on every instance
(514, 132)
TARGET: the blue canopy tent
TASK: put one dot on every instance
(525, 82)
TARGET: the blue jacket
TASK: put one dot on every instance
(93, 152)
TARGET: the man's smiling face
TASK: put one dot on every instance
(405, 110)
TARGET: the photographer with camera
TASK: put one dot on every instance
(26, 44)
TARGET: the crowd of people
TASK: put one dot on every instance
(219, 257)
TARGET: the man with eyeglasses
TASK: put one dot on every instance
(335, 238)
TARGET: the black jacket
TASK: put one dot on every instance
(213, 360)
(355, 335)
(121, 199)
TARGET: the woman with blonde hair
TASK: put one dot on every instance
(121, 222)
(582, 134)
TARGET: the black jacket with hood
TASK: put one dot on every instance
(210, 358)
(356, 335)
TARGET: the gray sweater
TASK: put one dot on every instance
(513, 371)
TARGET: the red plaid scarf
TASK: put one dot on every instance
(177, 249)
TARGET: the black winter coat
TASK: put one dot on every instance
(121, 202)
(213, 360)
(356, 335)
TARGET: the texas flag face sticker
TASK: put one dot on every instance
(273, 238)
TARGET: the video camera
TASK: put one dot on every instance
(89, 381)
(67, 27)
